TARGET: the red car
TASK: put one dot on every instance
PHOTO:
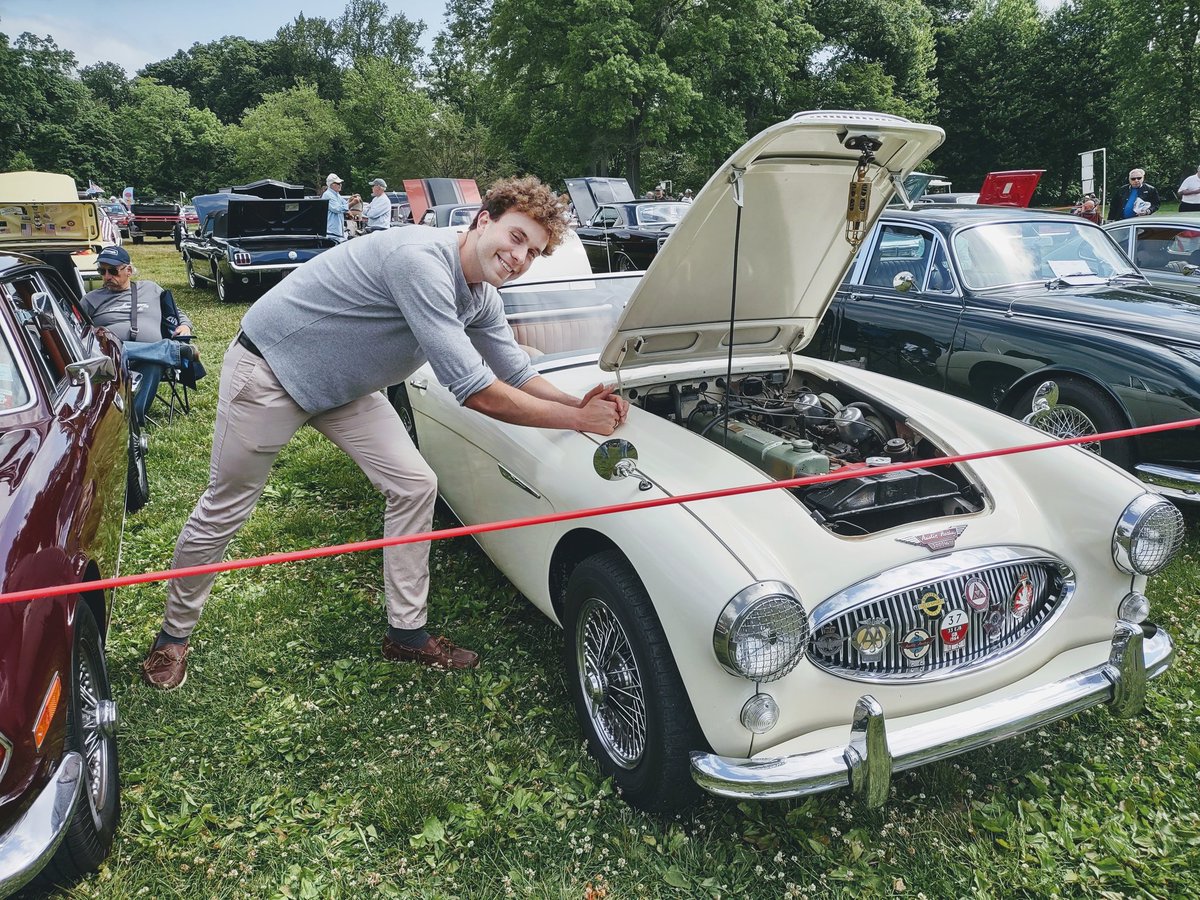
(71, 462)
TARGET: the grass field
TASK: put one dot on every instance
(295, 762)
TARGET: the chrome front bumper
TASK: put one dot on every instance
(867, 762)
(28, 845)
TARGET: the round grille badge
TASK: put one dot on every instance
(954, 628)
(871, 638)
(830, 642)
(916, 644)
(1022, 597)
(977, 595)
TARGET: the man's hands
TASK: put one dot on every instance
(603, 410)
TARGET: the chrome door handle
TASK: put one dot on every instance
(420, 384)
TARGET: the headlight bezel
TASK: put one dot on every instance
(737, 614)
(1131, 527)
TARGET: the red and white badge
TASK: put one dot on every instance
(977, 595)
(1022, 597)
(954, 628)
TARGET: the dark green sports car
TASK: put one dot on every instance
(990, 304)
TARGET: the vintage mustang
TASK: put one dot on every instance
(989, 304)
(625, 237)
(71, 461)
(1165, 246)
(245, 244)
(786, 642)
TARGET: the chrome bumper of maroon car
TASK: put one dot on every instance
(28, 845)
(866, 764)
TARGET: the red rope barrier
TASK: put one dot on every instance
(467, 530)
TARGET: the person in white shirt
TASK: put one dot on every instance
(379, 210)
(338, 205)
(1189, 193)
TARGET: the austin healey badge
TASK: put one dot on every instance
(915, 645)
(936, 540)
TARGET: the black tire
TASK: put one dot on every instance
(138, 238)
(89, 837)
(137, 486)
(192, 279)
(612, 632)
(625, 264)
(398, 396)
(226, 292)
(1085, 409)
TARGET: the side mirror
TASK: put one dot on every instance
(43, 309)
(614, 460)
(903, 282)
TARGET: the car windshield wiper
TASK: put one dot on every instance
(1136, 276)
(1066, 280)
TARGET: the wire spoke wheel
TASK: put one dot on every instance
(611, 683)
(96, 744)
(1066, 422)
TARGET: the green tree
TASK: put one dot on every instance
(1156, 101)
(108, 83)
(365, 30)
(226, 76)
(385, 116)
(293, 135)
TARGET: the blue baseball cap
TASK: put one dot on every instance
(113, 256)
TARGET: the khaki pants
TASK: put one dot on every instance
(255, 418)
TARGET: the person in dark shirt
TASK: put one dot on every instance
(1137, 198)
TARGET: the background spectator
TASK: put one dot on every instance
(1189, 193)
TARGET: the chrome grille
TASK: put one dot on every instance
(864, 632)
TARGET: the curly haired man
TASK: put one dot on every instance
(318, 349)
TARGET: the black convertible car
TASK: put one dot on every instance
(624, 237)
(245, 244)
(990, 304)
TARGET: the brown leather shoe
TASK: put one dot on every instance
(438, 652)
(165, 667)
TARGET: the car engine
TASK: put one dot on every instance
(791, 426)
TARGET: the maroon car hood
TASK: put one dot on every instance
(1013, 188)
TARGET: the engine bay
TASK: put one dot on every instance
(791, 425)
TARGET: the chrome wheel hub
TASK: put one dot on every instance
(612, 685)
(1065, 422)
(98, 716)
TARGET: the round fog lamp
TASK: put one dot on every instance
(1134, 608)
(760, 713)
(1148, 535)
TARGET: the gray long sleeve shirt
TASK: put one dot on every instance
(366, 314)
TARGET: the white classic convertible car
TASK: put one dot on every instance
(792, 641)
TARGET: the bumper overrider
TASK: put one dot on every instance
(28, 845)
(866, 763)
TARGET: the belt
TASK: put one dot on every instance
(245, 341)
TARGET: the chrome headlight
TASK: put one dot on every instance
(1148, 535)
(762, 632)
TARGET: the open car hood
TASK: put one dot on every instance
(1013, 188)
(587, 194)
(789, 242)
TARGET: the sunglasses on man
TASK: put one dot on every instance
(110, 270)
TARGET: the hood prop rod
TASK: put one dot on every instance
(736, 178)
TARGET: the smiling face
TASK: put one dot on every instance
(501, 249)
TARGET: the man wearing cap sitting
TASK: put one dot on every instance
(335, 222)
(138, 325)
(379, 210)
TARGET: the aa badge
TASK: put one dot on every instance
(871, 638)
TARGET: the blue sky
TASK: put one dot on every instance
(135, 32)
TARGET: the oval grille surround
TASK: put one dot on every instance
(886, 609)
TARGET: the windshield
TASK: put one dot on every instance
(655, 215)
(1020, 252)
(566, 318)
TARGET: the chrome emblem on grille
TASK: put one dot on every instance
(977, 595)
(936, 540)
(830, 642)
(916, 644)
(931, 604)
(871, 638)
(954, 628)
(1022, 596)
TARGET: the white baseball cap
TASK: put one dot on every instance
(331, 178)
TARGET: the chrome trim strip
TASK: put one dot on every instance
(1173, 481)
(872, 753)
(28, 845)
(509, 476)
(251, 269)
